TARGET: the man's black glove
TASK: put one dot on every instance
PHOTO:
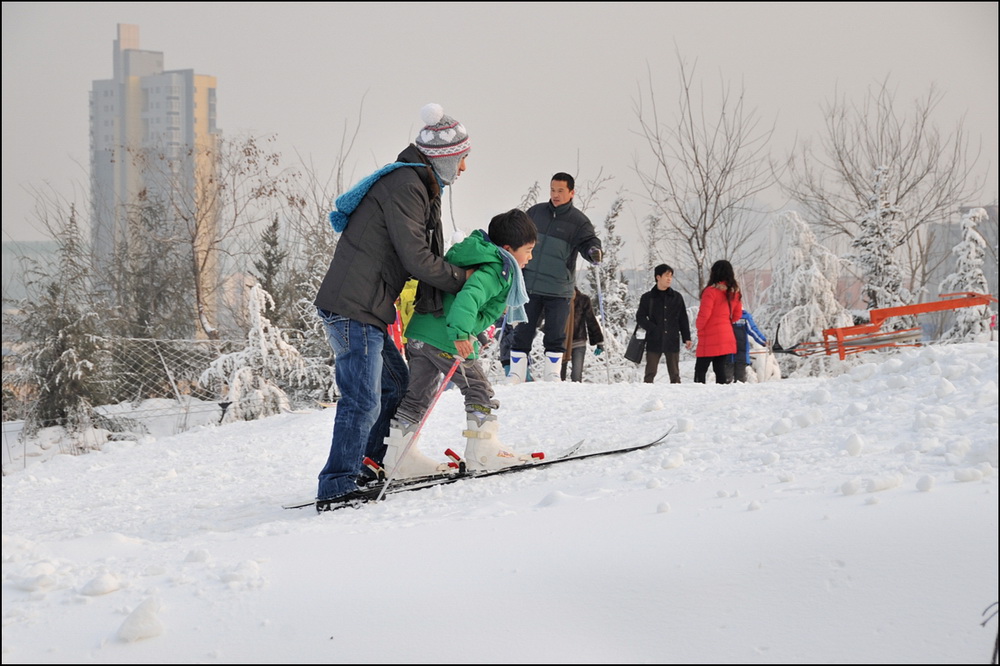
(595, 255)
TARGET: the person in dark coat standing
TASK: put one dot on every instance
(390, 225)
(583, 326)
(663, 315)
(564, 232)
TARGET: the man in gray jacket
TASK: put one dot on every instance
(391, 231)
(550, 276)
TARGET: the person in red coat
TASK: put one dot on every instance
(720, 308)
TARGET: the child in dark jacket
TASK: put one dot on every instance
(743, 329)
(435, 341)
(583, 326)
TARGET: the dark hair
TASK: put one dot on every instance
(566, 178)
(661, 269)
(513, 228)
(722, 271)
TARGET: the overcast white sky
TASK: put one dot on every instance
(541, 87)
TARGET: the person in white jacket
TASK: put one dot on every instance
(764, 363)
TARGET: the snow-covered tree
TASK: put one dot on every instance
(607, 281)
(970, 323)
(933, 170)
(801, 301)
(608, 286)
(255, 376)
(59, 364)
(873, 251)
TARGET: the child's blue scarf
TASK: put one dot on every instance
(349, 200)
(518, 295)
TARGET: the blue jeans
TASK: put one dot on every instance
(371, 378)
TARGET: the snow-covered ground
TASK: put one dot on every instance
(848, 519)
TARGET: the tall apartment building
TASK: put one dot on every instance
(153, 140)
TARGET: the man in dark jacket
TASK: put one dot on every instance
(663, 315)
(391, 224)
(550, 276)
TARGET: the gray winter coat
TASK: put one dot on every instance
(394, 234)
(562, 233)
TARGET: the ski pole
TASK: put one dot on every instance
(502, 329)
(420, 426)
(600, 295)
(604, 322)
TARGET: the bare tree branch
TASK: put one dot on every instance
(708, 169)
(931, 172)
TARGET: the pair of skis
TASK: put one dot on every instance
(377, 490)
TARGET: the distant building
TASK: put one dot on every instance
(153, 141)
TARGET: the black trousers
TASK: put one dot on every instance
(555, 310)
(719, 364)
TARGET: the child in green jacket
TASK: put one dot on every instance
(434, 342)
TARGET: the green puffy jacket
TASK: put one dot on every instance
(477, 306)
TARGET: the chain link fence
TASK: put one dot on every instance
(156, 382)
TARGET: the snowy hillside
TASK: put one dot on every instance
(850, 519)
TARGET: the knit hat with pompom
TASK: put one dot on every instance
(444, 140)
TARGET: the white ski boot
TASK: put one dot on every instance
(518, 368)
(553, 366)
(483, 450)
(415, 463)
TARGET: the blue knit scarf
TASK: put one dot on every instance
(518, 295)
(349, 200)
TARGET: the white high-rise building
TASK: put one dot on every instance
(153, 141)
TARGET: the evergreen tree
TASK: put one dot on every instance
(150, 287)
(269, 268)
(971, 323)
(879, 235)
(151, 296)
(801, 301)
(58, 328)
